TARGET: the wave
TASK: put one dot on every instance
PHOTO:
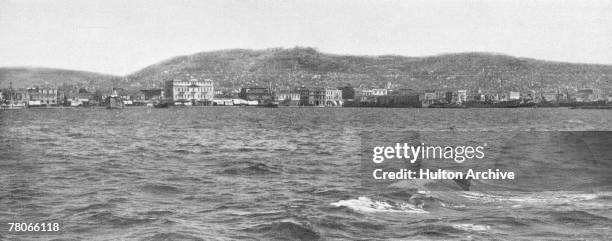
(251, 169)
(159, 213)
(172, 236)
(109, 218)
(580, 218)
(539, 198)
(287, 230)
(365, 204)
(471, 227)
(160, 189)
(96, 206)
(438, 231)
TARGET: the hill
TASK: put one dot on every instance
(286, 68)
(21, 77)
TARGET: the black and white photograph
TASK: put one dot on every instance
(305, 120)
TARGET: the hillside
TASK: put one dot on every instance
(22, 77)
(286, 68)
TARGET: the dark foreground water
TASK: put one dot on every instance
(261, 174)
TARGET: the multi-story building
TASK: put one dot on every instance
(312, 96)
(193, 91)
(151, 94)
(288, 98)
(379, 92)
(429, 97)
(333, 97)
(39, 96)
(400, 100)
(462, 96)
(259, 94)
(167, 93)
(514, 95)
(588, 94)
(15, 95)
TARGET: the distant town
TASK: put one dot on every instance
(195, 91)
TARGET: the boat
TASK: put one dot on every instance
(498, 104)
(115, 102)
(445, 105)
(598, 107)
(162, 105)
(269, 104)
(13, 106)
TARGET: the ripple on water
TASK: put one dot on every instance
(160, 189)
(251, 168)
(108, 218)
(286, 230)
(172, 236)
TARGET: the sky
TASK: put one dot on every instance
(123, 36)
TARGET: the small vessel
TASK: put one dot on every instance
(498, 104)
(115, 102)
(270, 104)
(599, 107)
(13, 106)
(161, 105)
(445, 105)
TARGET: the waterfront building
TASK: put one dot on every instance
(333, 97)
(365, 93)
(81, 98)
(152, 94)
(374, 92)
(461, 96)
(194, 91)
(588, 94)
(404, 91)
(430, 97)
(448, 97)
(168, 90)
(42, 96)
(514, 95)
(475, 95)
(288, 98)
(259, 94)
(17, 96)
(379, 92)
(404, 100)
(312, 96)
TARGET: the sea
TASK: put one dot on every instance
(249, 173)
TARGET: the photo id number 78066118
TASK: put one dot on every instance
(34, 227)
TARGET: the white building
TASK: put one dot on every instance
(462, 96)
(194, 91)
(333, 97)
(374, 92)
(514, 95)
(281, 96)
(379, 92)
